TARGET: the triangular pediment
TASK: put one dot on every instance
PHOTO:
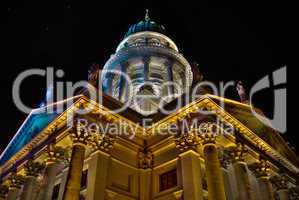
(233, 112)
(35, 122)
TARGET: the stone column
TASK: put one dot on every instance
(109, 77)
(16, 182)
(262, 170)
(3, 192)
(190, 166)
(225, 162)
(281, 186)
(55, 156)
(241, 172)
(80, 137)
(146, 61)
(98, 167)
(169, 65)
(214, 174)
(122, 80)
(294, 193)
(62, 183)
(283, 194)
(32, 170)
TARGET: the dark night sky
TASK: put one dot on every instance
(229, 41)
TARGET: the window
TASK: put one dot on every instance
(84, 179)
(168, 180)
(55, 193)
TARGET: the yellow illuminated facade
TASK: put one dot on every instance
(148, 163)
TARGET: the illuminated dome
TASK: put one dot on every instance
(145, 25)
(149, 59)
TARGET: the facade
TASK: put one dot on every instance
(49, 160)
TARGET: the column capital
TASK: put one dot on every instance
(55, 154)
(3, 191)
(280, 182)
(208, 132)
(33, 168)
(79, 134)
(102, 142)
(238, 152)
(224, 158)
(294, 192)
(186, 142)
(16, 181)
(208, 138)
(261, 168)
(145, 159)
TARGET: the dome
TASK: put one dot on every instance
(145, 25)
(147, 70)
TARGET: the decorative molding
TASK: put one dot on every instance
(33, 168)
(208, 133)
(238, 152)
(224, 157)
(16, 181)
(280, 182)
(3, 191)
(294, 193)
(56, 154)
(102, 142)
(261, 168)
(80, 135)
(145, 159)
(204, 102)
(187, 141)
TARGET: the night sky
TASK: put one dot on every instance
(228, 41)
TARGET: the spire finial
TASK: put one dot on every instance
(147, 18)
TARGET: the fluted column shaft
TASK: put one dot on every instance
(122, 80)
(13, 193)
(242, 179)
(29, 189)
(16, 182)
(146, 62)
(238, 154)
(283, 194)
(63, 183)
(169, 65)
(32, 170)
(72, 189)
(48, 181)
(227, 184)
(266, 188)
(262, 171)
(213, 171)
(3, 192)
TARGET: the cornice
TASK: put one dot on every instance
(205, 102)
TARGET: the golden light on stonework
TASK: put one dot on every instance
(83, 153)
